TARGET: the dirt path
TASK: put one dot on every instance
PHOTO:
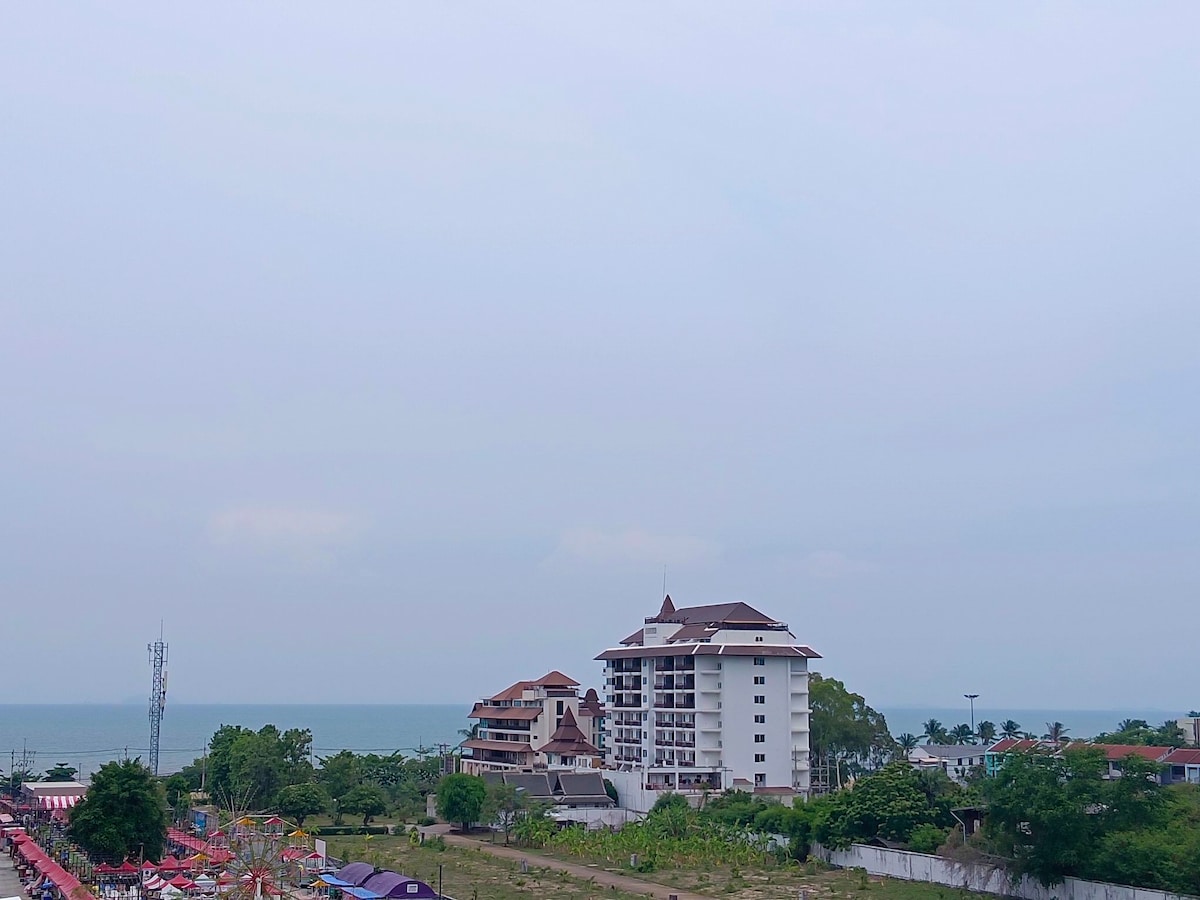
(578, 870)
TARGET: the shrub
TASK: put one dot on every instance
(426, 821)
(927, 839)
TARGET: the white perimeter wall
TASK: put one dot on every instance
(984, 879)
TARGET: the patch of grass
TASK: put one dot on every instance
(471, 874)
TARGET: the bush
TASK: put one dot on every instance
(927, 839)
(426, 821)
(330, 830)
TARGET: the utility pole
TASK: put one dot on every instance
(972, 698)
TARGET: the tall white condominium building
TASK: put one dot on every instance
(710, 697)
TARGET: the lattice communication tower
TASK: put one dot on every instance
(158, 696)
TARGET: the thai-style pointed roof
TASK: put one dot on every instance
(568, 740)
(667, 607)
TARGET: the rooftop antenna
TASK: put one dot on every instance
(664, 591)
(158, 693)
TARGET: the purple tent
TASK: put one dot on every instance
(394, 885)
(356, 873)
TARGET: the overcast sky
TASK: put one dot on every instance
(389, 352)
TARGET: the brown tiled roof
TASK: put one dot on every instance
(556, 679)
(714, 614)
(1117, 752)
(1183, 757)
(710, 650)
(483, 711)
(503, 746)
(692, 633)
(513, 692)
(636, 638)
(567, 738)
(776, 791)
(590, 704)
(755, 650)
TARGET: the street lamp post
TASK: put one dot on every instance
(972, 698)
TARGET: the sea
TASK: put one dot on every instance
(87, 736)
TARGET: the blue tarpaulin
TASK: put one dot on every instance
(361, 893)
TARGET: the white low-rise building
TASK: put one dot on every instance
(956, 760)
(703, 696)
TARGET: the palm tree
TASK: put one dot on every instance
(1011, 729)
(907, 742)
(962, 734)
(1132, 724)
(469, 734)
(986, 731)
(1056, 732)
(935, 732)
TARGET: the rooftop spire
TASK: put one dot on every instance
(668, 608)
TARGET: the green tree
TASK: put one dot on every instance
(962, 734)
(178, 794)
(60, 772)
(299, 801)
(1010, 729)
(986, 731)
(366, 800)
(935, 732)
(927, 838)
(257, 767)
(460, 798)
(845, 731)
(889, 804)
(1168, 734)
(1056, 732)
(907, 742)
(503, 806)
(340, 773)
(123, 813)
(1041, 812)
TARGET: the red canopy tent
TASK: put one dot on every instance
(70, 886)
(169, 864)
(104, 869)
(183, 883)
(126, 868)
(148, 866)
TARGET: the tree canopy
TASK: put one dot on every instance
(1057, 815)
(844, 729)
(123, 813)
(460, 798)
(890, 804)
(299, 801)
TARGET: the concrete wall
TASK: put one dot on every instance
(984, 879)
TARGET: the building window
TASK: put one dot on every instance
(760, 739)
(759, 639)
(760, 779)
(760, 660)
(558, 708)
(760, 679)
(760, 698)
(760, 720)
(760, 757)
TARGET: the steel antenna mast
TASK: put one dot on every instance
(158, 694)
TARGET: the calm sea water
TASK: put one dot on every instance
(88, 736)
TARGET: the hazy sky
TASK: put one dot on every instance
(389, 351)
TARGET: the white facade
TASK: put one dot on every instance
(705, 696)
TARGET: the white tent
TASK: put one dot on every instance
(171, 891)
